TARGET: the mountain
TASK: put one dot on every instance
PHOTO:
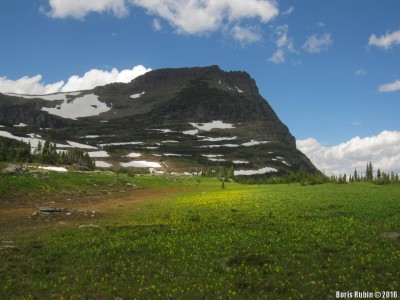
(179, 120)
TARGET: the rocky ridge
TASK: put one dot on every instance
(169, 120)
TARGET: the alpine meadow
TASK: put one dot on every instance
(227, 210)
(202, 149)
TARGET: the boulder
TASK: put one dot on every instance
(15, 169)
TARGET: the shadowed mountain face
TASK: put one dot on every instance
(182, 119)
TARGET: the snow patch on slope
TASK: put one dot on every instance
(254, 143)
(218, 146)
(239, 90)
(239, 162)
(191, 132)
(81, 146)
(56, 169)
(212, 125)
(102, 164)
(121, 144)
(85, 106)
(163, 130)
(212, 155)
(255, 172)
(134, 155)
(34, 142)
(141, 164)
(98, 154)
(218, 139)
(136, 96)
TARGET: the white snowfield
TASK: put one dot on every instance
(212, 125)
(134, 154)
(34, 136)
(239, 90)
(191, 132)
(216, 159)
(20, 125)
(170, 141)
(81, 146)
(121, 144)
(240, 162)
(102, 164)
(90, 137)
(254, 143)
(255, 172)
(173, 154)
(56, 169)
(136, 96)
(141, 164)
(212, 155)
(218, 146)
(85, 106)
(48, 97)
(98, 154)
(218, 139)
(33, 141)
(163, 130)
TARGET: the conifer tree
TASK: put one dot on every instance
(355, 176)
(369, 174)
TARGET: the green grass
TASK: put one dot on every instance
(44, 183)
(242, 242)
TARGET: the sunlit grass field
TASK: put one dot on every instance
(205, 242)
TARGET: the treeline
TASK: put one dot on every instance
(46, 153)
(380, 177)
(304, 177)
(12, 150)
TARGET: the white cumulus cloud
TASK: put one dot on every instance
(360, 72)
(390, 87)
(246, 35)
(289, 11)
(156, 25)
(35, 86)
(316, 44)
(31, 85)
(383, 150)
(385, 41)
(197, 16)
(79, 9)
(284, 44)
(97, 77)
(188, 17)
(278, 57)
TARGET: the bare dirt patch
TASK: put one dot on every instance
(26, 219)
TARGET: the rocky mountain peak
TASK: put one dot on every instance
(185, 118)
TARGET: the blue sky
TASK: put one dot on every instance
(330, 69)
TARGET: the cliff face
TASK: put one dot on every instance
(198, 95)
(189, 111)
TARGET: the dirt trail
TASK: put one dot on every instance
(15, 221)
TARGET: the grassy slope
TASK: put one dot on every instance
(275, 241)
